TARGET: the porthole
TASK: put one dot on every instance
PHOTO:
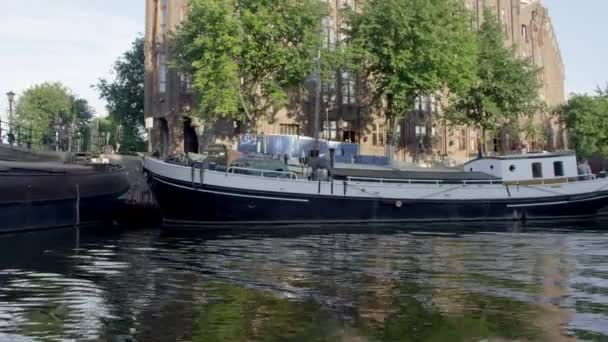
(512, 168)
(491, 167)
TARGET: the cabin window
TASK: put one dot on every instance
(512, 168)
(558, 168)
(537, 170)
(491, 167)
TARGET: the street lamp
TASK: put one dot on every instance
(11, 98)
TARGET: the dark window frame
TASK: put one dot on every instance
(558, 168)
(537, 170)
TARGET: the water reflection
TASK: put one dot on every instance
(383, 283)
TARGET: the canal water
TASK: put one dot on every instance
(390, 283)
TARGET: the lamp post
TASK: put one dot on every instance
(11, 98)
(57, 127)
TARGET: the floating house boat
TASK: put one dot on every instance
(40, 195)
(538, 186)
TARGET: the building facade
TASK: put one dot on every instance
(345, 111)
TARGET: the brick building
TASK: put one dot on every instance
(345, 115)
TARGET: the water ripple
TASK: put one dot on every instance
(363, 285)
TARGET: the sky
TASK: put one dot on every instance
(582, 32)
(76, 42)
(71, 41)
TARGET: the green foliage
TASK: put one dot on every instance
(411, 48)
(586, 118)
(506, 87)
(245, 56)
(125, 96)
(43, 106)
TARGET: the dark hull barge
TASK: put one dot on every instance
(35, 196)
(194, 197)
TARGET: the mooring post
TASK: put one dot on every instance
(77, 205)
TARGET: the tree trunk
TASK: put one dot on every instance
(479, 143)
(390, 123)
(484, 141)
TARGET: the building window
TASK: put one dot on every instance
(537, 170)
(329, 25)
(290, 129)
(185, 83)
(163, 16)
(348, 88)
(330, 130)
(162, 73)
(329, 90)
(524, 32)
(378, 135)
(462, 140)
(420, 131)
(558, 168)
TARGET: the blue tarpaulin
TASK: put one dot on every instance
(297, 146)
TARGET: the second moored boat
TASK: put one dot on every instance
(536, 186)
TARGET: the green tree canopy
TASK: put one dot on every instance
(586, 118)
(412, 48)
(125, 96)
(506, 87)
(244, 56)
(45, 105)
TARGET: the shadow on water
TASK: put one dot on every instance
(463, 282)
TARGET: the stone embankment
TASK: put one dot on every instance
(141, 208)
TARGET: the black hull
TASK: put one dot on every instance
(36, 198)
(46, 215)
(183, 205)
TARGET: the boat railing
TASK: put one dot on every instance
(420, 181)
(261, 173)
(544, 181)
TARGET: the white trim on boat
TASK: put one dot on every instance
(554, 203)
(231, 194)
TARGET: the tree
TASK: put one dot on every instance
(602, 92)
(50, 107)
(244, 56)
(586, 118)
(412, 48)
(125, 96)
(506, 87)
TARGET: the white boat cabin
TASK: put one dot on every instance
(526, 167)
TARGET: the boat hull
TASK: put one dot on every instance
(196, 205)
(39, 199)
(52, 214)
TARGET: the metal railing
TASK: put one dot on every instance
(16, 135)
(24, 136)
(543, 181)
(261, 173)
(421, 181)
